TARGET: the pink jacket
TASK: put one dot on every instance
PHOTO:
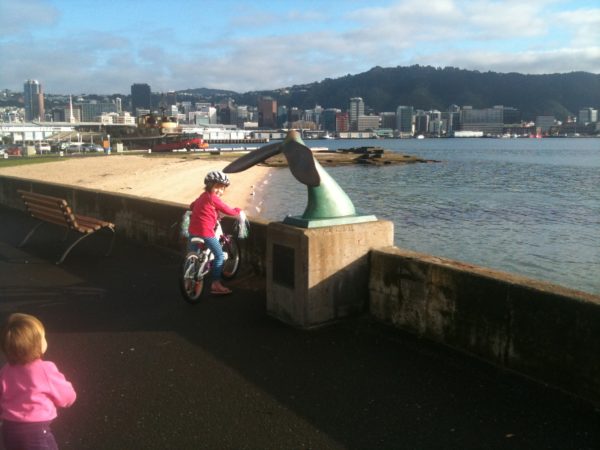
(32, 392)
(205, 212)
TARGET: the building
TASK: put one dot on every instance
(328, 119)
(33, 96)
(544, 123)
(388, 120)
(421, 122)
(488, 120)
(92, 111)
(357, 108)
(404, 120)
(587, 115)
(282, 114)
(141, 98)
(364, 123)
(267, 112)
(342, 122)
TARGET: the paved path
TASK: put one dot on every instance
(152, 372)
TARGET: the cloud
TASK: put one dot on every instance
(19, 17)
(269, 48)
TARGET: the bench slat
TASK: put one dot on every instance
(40, 198)
(91, 220)
(53, 218)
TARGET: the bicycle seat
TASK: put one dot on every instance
(197, 240)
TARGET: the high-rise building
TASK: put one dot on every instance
(267, 112)
(328, 119)
(282, 115)
(404, 120)
(33, 96)
(357, 108)
(141, 97)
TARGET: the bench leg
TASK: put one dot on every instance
(112, 242)
(35, 227)
(64, 255)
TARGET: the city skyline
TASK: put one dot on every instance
(77, 48)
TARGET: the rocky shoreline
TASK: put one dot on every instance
(377, 156)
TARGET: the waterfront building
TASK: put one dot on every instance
(544, 123)
(387, 120)
(452, 119)
(119, 105)
(328, 119)
(421, 122)
(436, 125)
(141, 98)
(404, 120)
(488, 120)
(587, 115)
(364, 123)
(357, 108)
(342, 122)
(33, 97)
(510, 115)
(267, 112)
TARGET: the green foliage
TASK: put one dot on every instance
(426, 87)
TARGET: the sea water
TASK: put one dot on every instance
(525, 206)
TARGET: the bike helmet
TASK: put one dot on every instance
(216, 177)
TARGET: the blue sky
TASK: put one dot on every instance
(86, 46)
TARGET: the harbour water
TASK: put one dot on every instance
(525, 206)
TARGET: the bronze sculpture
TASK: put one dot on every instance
(328, 204)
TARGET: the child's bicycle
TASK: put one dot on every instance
(197, 265)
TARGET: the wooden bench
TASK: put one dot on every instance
(57, 211)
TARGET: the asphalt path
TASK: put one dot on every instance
(152, 372)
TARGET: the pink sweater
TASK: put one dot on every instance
(32, 392)
(205, 212)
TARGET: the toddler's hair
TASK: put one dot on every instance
(21, 338)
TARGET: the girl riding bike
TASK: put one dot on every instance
(203, 222)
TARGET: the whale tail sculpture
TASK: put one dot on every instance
(328, 204)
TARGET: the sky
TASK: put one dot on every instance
(101, 47)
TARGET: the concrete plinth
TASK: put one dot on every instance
(318, 275)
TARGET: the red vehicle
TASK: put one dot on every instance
(178, 142)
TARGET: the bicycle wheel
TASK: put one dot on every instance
(190, 284)
(232, 263)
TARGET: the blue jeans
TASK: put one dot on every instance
(215, 247)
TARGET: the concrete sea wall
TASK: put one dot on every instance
(544, 331)
(540, 330)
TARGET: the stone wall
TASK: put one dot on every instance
(145, 220)
(543, 331)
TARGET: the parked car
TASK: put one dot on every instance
(92, 148)
(74, 148)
